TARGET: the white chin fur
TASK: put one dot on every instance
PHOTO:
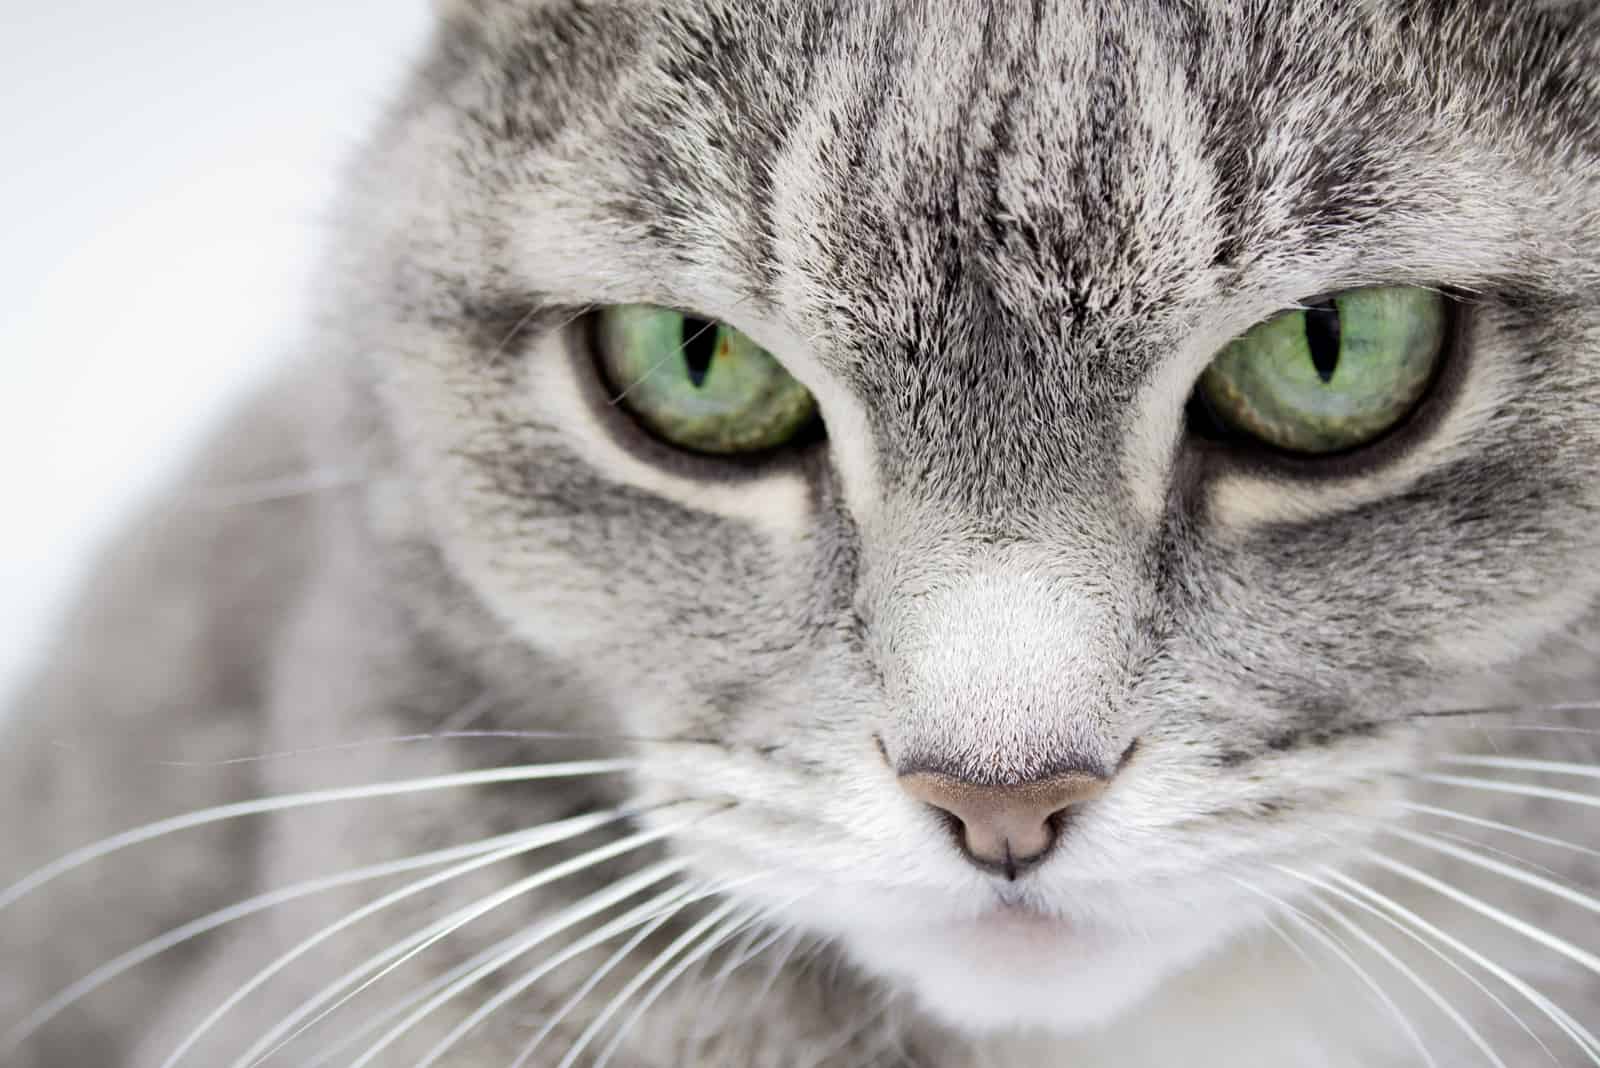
(1020, 973)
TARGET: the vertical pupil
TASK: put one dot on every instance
(1322, 337)
(700, 338)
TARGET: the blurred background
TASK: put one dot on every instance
(165, 173)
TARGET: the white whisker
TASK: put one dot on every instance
(1559, 1016)
(715, 938)
(1448, 961)
(1467, 842)
(1538, 882)
(1516, 788)
(1295, 947)
(332, 1053)
(594, 980)
(442, 735)
(262, 902)
(1332, 944)
(1501, 763)
(633, 986)
(1517, 710)
(1504, 828)
(752, 946)
(267, 490)
(1483, 908)
(139, 835)
(1421, 984)
(848, 1035)
(743, 952)
(383, 963)
(533, 839)
(794, 938)
(670, 900)
(1527, 728)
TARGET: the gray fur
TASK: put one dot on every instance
(999, 242)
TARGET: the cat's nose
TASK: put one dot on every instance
(1005, 828)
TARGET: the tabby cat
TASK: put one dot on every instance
(943, 533)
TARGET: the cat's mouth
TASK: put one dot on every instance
(1013, 910)
(1006, 923)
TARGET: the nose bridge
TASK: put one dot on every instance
(1004, 667)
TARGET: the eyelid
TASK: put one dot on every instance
(1211, 459)
(798, 454)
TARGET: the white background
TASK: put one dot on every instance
(164, 166)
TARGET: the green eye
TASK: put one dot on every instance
(699, 384)
(1333, 375)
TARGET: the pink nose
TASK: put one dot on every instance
(1006, 828)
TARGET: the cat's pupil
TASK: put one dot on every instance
(700, 337)
(1322, 337)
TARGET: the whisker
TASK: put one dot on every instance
(670, 900)
(1400, 966)
(400, 1008)
(594, 980)
(752, 946)
(395, 956)
(268, 490)
(716, 937)
(1483, 908)
(1532, 728)
(533, 839)
(1506, 710)
(849, 1034)
(1288, 939)
(522, 323)
(742, 953)
(1557, 1015)
(1467, 842)
(1518, 789)
(139, 835)
(659, 364)
(260, 903)
(1547, 767)
(1482, 987)
(437, 736)
(1330, 943)
(706, 948)
(794, 937)
(1538, 882)
(1504, 828)
(688, 938)
(332, 1053)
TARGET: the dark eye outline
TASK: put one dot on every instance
(1220, 445)
(801, 453)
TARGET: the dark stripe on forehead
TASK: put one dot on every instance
(760, 74)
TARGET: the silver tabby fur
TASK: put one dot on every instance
(999, 242)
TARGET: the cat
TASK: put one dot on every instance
(887, 533)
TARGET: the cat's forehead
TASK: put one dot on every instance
(960, 203)
(1026, 161)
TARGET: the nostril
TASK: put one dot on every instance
(1009, 827)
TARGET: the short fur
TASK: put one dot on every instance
(999, 242)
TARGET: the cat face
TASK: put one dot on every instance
(1000, 246)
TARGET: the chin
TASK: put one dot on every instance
(1014, 969)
